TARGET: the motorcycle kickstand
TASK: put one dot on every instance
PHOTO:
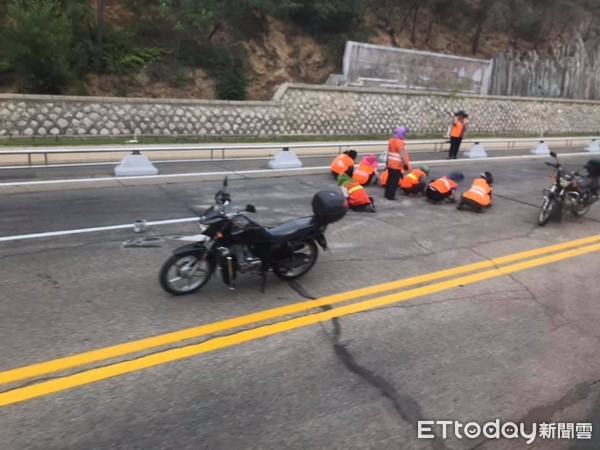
(263, 284)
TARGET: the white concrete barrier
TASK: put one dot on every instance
(593, 146)
(541, 149)
(476, 151)
(135, 164)
(285, 159)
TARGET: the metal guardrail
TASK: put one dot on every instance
(216, 149)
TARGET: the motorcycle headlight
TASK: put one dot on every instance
(564, 183)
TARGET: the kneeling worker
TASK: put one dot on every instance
(343, 163)
(366, 173)
(444, 188)
(358, 200)
(414, 183)
(479, 196)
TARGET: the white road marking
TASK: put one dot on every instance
(271, 171)
(93, 230)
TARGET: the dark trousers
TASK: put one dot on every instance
(454, 147)
(370, 207)
(416, 189)
(434, 195)
(394, 176)
(471, 204)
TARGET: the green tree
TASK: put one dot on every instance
(36, 41)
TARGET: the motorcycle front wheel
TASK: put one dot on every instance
(546, 211)
(185, 273)
(301, 259)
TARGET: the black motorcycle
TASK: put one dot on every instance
(232, 244)
(571, 191)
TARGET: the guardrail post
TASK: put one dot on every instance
(46, 158)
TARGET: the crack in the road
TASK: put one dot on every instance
(407, 407)
(551, 311)
(544, 413)
(510, 199)
(47, 250)
(172, 197)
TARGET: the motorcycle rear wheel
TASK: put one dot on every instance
(185, 274)
(309, 252)
(546, 211)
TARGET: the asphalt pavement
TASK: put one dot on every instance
(520, 346)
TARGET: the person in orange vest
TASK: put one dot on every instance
(366, 173)
(358, 199)
(384, 177)
(444, 188)
(479, 196)
(414, 183)
(397, 162)
(457, 133)
(343, 163)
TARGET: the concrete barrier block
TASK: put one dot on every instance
(476, 151)
(593, 146)
(541, 149)
(134, 165)
(382, 158)
(285, 159)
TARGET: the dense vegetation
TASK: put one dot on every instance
(50, 45)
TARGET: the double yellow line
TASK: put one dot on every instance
(497, 267)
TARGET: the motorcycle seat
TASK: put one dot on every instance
(291, 229)
(588, 183)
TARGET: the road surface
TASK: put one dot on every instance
(513, 339)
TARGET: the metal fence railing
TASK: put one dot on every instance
(219, 151)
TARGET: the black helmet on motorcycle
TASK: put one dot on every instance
(487, 176)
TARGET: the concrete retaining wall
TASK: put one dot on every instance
(295, 110)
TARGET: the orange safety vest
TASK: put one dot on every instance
(341, 163)
(443, 185)
(384, 176)
(412, 179)
(357, 195)
(397, 155)
(457, 129)
(363, 173)
(479, 192)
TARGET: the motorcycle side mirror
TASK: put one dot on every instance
(553, 154)
(250, 208)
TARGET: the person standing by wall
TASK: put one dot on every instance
(397, 162)
(457, 133)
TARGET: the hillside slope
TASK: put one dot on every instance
(280, 49)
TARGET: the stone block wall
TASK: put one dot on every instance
(295, 110)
